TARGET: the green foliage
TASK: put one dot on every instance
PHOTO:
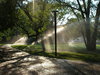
(7, 34)
(24, 25)
(7, 14)
(20, 16)
(33, 22)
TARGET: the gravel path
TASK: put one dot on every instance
(21, 63)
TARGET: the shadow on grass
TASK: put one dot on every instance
(78, 52)
(88, 57)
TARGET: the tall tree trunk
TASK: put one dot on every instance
(88, 34)
(94, 35)
(86, 19)
(87, 25)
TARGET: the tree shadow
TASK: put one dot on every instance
(19, 67)
(39, 65)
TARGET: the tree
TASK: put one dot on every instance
(36, 18)
(85, 10)
(7, 14)
(34, 22)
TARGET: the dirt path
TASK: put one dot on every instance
(22, 63)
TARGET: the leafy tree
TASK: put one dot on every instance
(7, 14)
(85, 10)
(38, 19)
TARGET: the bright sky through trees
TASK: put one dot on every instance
(68, 16)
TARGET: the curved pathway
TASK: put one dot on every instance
(22, 63)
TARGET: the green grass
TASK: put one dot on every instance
(70, 55)
(79, 53)
(20, 47)
(35, 47)
(98, 47)
(2, 44)
(30, 47)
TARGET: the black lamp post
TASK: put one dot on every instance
(55, 23)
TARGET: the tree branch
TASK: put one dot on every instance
(96, 21)
(75, 13)
(84, 5)
(88, 9)
(82, 13)
(26, 12)
(67, 4)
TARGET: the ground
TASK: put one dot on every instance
(22, 63)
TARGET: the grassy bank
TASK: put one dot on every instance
(79, 53)
(93, 57)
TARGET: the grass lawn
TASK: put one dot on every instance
(2, 44)
(80, 53)
(98, 47)
(93, 57)
(20, 47)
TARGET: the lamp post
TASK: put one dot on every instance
(55, 23)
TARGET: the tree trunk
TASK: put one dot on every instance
(36, 40)
(43, 46)
(94, 36)
(87, 34)
(87, 25)
(42, 43)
